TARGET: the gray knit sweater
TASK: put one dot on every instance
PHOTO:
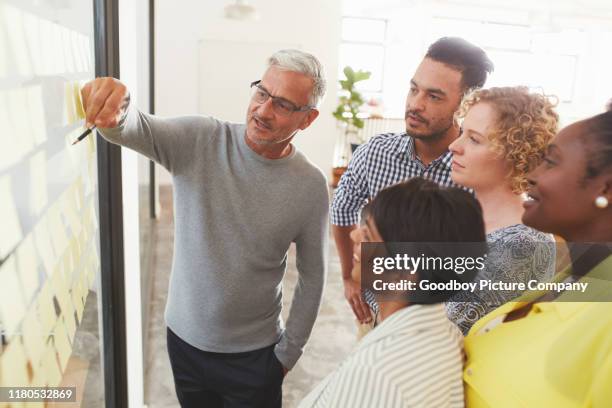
(236, 213)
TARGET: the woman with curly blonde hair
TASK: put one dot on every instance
(505, 134)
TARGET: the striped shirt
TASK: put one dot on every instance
(412, 359)
(385, 160)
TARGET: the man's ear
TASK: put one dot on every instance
(312, 115)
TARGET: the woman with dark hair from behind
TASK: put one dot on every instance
(554, 348)
(414, 356)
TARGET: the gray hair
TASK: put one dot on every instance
(304, 63)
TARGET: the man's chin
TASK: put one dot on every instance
(424, 134)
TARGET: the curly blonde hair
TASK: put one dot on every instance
(525, 124)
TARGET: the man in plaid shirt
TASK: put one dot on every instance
(451, 68)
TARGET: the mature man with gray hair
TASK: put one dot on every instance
(243, 193)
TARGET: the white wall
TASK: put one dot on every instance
(133, 35)
(312, 25)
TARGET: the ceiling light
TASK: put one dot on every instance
(241, 10)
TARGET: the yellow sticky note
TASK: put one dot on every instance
(12, 304)
(39, 375)
(4, 55)
(59, 65)
(38, 182)
(78, 103)
(76, 52)
(75, 252)
(34, 338)
(69, 209)
(67, 50)
(13, 23)
(69, 108)
(84, 286)
(46, 46)
(22, 139)
(59, 238)
(12, 151)
(77, 299)
(59, 289)
(62, 344)
(11, 227)
(86, 47)
(79, 194)
(42, 239)
(27, 263)
(70, 321)
(46, 308)
(50, 366)
(36, 113)
(31, 26)
(67, 266)
(14, 365)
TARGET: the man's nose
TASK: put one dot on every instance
(416, 102)
(266, 109)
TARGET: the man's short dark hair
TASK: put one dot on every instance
(470, 60)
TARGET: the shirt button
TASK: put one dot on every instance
(468, 371)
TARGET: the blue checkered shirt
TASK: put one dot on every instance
(385, 160)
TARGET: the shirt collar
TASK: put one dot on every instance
(405, 148)
(403, 322)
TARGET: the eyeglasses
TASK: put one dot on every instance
(281, 105)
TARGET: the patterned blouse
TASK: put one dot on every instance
(517, 253)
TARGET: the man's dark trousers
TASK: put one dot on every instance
(230, 380)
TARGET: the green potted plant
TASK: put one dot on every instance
(346, 113)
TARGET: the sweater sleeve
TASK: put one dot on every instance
(311, 262)
(171, 142)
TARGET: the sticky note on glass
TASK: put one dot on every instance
(46, 308)
(31, 26)
(57, 230)
(78, 102)
(4, 54)
(11, 227)
(67, 49)
(38, 183)
(14, 366)
(70, 321)
(76, 52)
(27, 263)
(50, 366)
(13, 22)
(12, 304)
(76, 293)
(60, 290)
(62, 344)
(42, 239)
(69, 107)
(36, 113)
(34, 338)
(11, 152)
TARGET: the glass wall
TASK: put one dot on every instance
(50, 303)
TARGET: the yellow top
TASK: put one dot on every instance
(558, 355)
